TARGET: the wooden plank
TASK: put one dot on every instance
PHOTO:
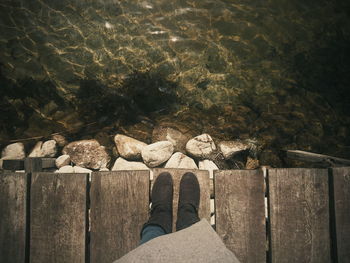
(316, 158)
(204, 183)
(58, 217)
(240, 213)
(33, 164)
(13, 196)
(299, 215)
(19, 164)
(341, 205)
(48, 163)
(119, 208)
(13, 165)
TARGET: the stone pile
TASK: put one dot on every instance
(170, 149)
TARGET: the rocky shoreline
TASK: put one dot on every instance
(170, 148)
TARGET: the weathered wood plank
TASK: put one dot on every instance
(33, 164)
(204, 183)
(13, 195)
(299, 215)
(240, 213)
(341, 194)
(13, 165)
(58, 217)
(316, 158)
(119, 208)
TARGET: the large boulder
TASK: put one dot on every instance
(13, 151)
(87, 154)
(44, 149)
(201, 146)
(208, 165)
(179, 160)
(176, 137)
(231, 148)
(122, 164)
(129, 148)
(157, 153)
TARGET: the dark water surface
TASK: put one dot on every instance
(276, 71)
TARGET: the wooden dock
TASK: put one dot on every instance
(279, 215)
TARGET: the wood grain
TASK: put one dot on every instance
(13, 195)
(240, 213)
(58, 217)
(204, 184)
(299, 215)
(341, 193)
(119, 208)
(33, 164)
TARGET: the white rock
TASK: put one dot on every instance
(212, 206)
(65, 169)
(46, 149)
(49, 148)
(104, 170)
(62, 160)
(122, 164)
(201, 146)
(129, 148)
(13, 151)
(78, 169)
(230, 148)
(36, 152)
(179, 160)
(208, 165)
(157, 153)
(212, 220)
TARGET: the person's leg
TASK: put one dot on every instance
(189, 197)
(150, 232)
(161, 209)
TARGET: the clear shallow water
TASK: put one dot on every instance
(277, 71)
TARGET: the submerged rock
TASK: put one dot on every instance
(13, 151)
(122, 164)
(44, 149)
(231, 148)
(201, 146)
(176, 137)
(252, 164)
(87, 154)
(157, 153)
(60, 140)
(62, 160)
(129, 148)
(179, 160)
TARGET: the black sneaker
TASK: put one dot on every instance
(189, 196)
